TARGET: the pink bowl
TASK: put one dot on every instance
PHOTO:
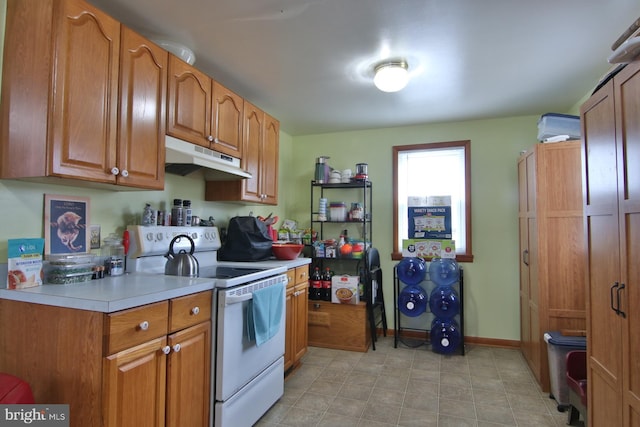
(286, 250)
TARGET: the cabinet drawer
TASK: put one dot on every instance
(189, 310)
(131, 327)
(302, 274)
(291, 277)
(340, 326)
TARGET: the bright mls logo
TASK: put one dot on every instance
(37, 415)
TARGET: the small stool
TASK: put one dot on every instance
(14, 390)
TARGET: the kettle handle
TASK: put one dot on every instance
(193, 245)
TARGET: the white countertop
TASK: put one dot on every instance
(121, 292)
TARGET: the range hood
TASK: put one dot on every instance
(183, 158)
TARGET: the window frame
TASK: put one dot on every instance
(467, 256)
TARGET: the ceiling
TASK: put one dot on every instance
(309, 63)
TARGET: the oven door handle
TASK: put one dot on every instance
(237, 299)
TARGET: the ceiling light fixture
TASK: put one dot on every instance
(391, 76)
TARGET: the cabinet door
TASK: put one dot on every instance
(525, 324)
(604, 326)
(627, 99)
(189, 103)
(289, 340)
(189, 376)
(135, 385)
(143, 83)
(252, 147)
(227, 121)
(269, 160)
(300, 324)
(85, 92)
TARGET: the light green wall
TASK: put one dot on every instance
(492, 280)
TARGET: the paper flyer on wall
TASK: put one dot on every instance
(25, 263)
(428, 248)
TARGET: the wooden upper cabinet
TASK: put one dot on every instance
(60, 104)
(143, 91)
(85, 92)
(253, 131)
(189, 103)
(260, 148)
(203, 111)
(269, 160)
(227, 118)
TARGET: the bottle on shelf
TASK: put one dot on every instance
(186, 212)
(326, 284)
(176, 213)
(316, 285)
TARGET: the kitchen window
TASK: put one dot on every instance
(434, 169)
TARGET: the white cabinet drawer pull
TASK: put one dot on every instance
(166, 349)
(144, 325)
(195, 310)
(176, 348)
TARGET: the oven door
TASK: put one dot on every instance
(238, 359)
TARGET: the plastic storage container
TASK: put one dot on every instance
(558, 346)
(338, 211)
(553, 124)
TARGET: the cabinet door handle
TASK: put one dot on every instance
(316, 306)
(144, 325)
(115, 171)
(210, 138)
(620, 312)
(176, 348)
(195, 310)
(124, 173)
(614, 287)
(525, 257)
(166, 349)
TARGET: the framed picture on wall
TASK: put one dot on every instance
(66, 229)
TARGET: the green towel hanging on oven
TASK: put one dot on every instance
(264, 313)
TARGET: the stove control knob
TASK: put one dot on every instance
(150, 237)
(159, 237)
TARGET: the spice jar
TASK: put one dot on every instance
(177, 212)
(113, 253)
(356, 213)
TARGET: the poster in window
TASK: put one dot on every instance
(66, 228)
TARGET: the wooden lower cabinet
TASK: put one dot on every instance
(128, 368)
(339, 326)
(296, 336)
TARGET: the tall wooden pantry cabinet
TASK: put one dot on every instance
(552, 284)
(611, 188)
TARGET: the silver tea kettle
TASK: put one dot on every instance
(182, 263)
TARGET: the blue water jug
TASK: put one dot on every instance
(411, 270)
(444, 271)
(445, 336)
(444, 302)
(412, 301)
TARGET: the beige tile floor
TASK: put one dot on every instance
(413, 387)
